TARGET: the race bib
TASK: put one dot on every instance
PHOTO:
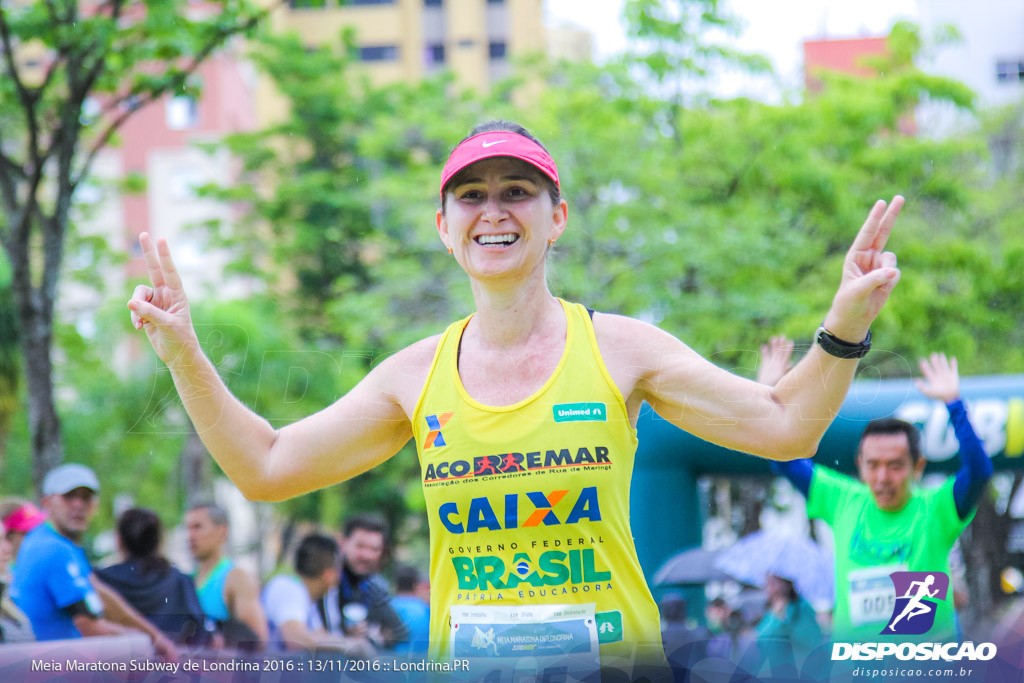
(510, 641)
(872, 595)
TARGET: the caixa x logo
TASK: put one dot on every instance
(917, 597)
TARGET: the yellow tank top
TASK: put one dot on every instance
(528, 505)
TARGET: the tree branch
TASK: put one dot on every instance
(8, 166)
(28, 101)
(12, 65)
(97, 68)
(155, 94)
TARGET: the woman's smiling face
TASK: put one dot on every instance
(498, 218)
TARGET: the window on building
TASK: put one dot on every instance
(1010, 71)
(432, 3)
(496, 50)
(495, 2)
(435, 54)
(182, 113)
(467, 42)
(378, 53)
(183, 182)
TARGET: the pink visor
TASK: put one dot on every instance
(24, 519)
(498, 144)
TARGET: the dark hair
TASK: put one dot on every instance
(315, 553)
(216, 513)
(500, 125)
(890, 425)
(140, 532)
(366, 522)
(406, 578)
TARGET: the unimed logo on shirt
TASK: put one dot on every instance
(918, 595)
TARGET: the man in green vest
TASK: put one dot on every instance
(884, 523)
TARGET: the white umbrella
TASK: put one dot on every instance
(783, 554)
(689, 567)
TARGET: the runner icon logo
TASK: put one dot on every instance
(484, 639)
(917, 597)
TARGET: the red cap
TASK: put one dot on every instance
(24, 518)
(498, 144)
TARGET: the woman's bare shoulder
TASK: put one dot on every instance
(621, 334)
(403, 373)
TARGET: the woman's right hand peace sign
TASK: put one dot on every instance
(162, 310)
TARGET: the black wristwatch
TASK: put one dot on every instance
(834, 346)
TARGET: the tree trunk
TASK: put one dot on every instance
(751, 495)
(195, 470)
(43, 422)
(984, 549)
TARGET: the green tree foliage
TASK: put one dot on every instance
(739, 231)
(70, 76)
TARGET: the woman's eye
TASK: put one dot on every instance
(517, 192)
(470, 195)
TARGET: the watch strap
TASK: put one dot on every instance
(840, 348)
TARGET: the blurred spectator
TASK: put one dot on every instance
(14, 625)
(730, 632)
(412, 609)
(716, 615)
(150, 584)
(19, 517)
(787, 634)
(228, 594)
(290, 601)
(54, 584)
(360, 604)
(684, 646)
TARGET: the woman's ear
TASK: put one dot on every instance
(559, 216)
(442, 229)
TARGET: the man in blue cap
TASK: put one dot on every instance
(55, 586)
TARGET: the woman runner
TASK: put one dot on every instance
(524, 417)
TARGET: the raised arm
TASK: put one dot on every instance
(941, 381)
(785, 421)
(363, 428)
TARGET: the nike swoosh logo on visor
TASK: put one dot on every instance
(492, 144)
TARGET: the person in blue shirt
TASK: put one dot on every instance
(411, 602)
(55, 586)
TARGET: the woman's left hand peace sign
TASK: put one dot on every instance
(869, 275)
